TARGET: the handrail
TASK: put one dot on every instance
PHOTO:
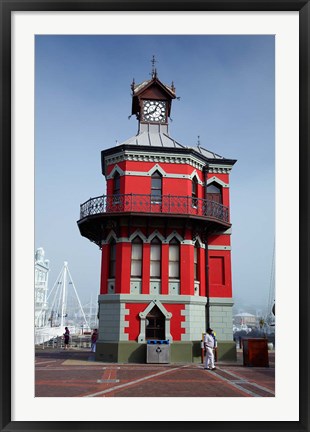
(163, 204)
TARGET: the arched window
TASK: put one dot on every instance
(155, 262)
(174, 259)
(156, 188)
(136, 257)
(196, 261)
(194, 192)
(214, 192)
(112, 263)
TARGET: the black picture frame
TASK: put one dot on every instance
(9, 6)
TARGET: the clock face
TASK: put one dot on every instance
(154, 111)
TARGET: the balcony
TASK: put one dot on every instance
(163, 205)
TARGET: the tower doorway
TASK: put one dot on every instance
(155, 324)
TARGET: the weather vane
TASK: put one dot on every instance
(154, 71)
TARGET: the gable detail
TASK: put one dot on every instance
(143, 315)
(215, 179)
(114, 170)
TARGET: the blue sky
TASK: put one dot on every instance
(82, 103)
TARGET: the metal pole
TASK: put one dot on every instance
(63, 294)
(207, 262)
(207, 287)
(78, 299)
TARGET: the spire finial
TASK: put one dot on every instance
(133, 85)
(198, 140)
(154, 71)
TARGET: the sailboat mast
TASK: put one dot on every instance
(78, 299)
(90, 310)
(63, 294)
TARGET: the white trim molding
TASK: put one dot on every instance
(217, 180)
(156, 233)
(198, 239)
(109, 236)
(218, 247)
(137, 233)
(116, 168)
(174, 234)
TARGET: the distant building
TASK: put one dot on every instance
(164, 231)
(41, 267)
(246, 319)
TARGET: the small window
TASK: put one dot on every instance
(174, 259)
(116, 184)
(136, 257)
(214, 193)
(112, 266)
(156, 188)
(116, 188)
(194, 192)
(155, 270)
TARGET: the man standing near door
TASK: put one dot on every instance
(209, 346)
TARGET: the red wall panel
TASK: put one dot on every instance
(220, 274)
(223, 177)
(217, 275)
(123, 268)
(187, 270)
(134, 320)
(202, 272)
(175, 323)
(220, 240)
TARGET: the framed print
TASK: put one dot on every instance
(48, 159)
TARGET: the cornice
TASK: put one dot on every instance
(135, 156)
(219, 169)
(172, 158)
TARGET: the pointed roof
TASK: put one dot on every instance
(151, 89)
(149, 138)
(137, 89)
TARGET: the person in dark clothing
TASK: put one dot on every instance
(94, 338)
(66, 338)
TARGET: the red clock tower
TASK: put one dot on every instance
(164, 230)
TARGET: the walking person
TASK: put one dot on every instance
(66, 338)
(94, 338)
(209, 346)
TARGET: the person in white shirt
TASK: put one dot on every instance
(209, 346)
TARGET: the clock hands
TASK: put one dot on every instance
(151, 112)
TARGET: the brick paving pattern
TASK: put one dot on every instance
(74, 373)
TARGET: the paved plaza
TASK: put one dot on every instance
(74, 373)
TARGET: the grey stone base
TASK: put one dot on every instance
(226, 350)
(181, 352)
(120, 352)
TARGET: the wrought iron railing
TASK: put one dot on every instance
(164, 204)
